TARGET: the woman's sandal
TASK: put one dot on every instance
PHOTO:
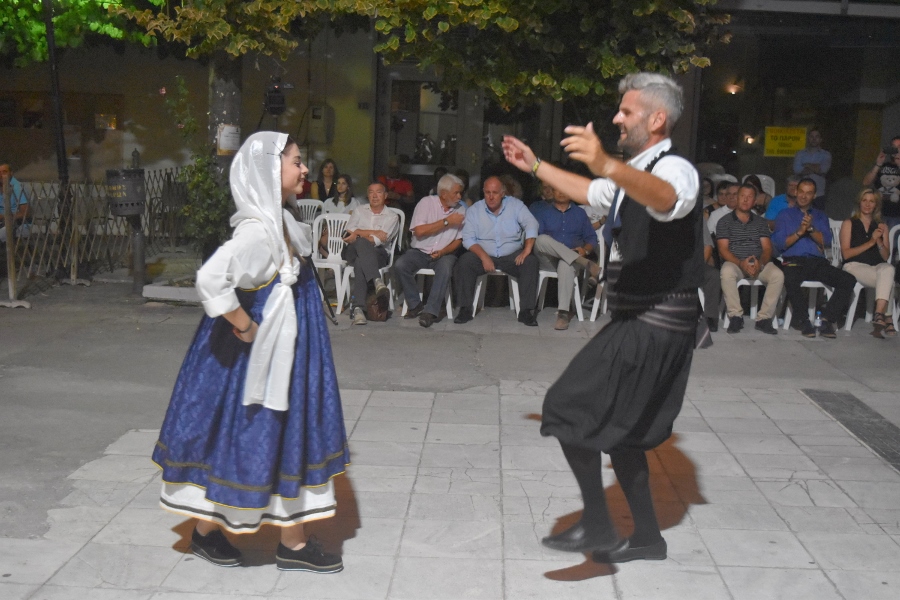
(889, 328)
(878, 325)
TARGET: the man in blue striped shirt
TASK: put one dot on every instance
(499, 233)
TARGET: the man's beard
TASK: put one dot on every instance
(634, 140)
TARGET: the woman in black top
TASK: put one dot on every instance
(864, 247)
(325, 186)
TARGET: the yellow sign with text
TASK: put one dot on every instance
(785, 141)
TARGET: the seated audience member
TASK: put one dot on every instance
(801, 235)
(511, 185)
(731, 196)
(706, 190)
(746, 252)
(342, 202)
(399, 189)
(565, 239)
(18, 203)
(762, 198)
(436, 177)
(545, 200)
(864, 247)
(719, 200)
(436, 236)
(782, 201)
(467, 182)
(369, 234)
(326, 185)
(493, 234)
(883, 177)
(712, 287)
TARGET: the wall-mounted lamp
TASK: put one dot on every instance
(749, 139)
(734, 88)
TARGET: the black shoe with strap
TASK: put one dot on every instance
(215, 548)
(311, 557)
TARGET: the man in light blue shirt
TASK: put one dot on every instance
(499, 234)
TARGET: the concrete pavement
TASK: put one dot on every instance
(762, 493)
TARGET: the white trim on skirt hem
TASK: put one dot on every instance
(190, 500)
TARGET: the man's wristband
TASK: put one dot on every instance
(249, 327)
(535, 166)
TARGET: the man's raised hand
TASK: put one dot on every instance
(517, 153)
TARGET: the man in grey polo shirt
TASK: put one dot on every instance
(744, 243)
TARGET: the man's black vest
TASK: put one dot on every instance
(658, 257)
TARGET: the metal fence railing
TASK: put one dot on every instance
(70, 233)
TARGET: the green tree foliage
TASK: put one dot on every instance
(526, 50)
(23, 35)
(233, 26)
(209, 204)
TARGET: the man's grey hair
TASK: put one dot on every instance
(794, 179)
(658, 93)
(448, 181)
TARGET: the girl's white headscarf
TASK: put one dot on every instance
(256, 188)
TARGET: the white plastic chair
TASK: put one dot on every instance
(335, 223)
(754, 284)
(600, 295)
(870, 305)
(543, 276)
(481, 289)
(309, 209)
(384, 271)
(812, 286)
(836, 256)
(420, 280)
(894, 249)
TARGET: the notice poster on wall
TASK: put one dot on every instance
(785, 141)
(228, 140)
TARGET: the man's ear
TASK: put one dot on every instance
(658, 121)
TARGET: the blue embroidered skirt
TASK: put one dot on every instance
(241, 465)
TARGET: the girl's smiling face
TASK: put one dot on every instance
(293, 172)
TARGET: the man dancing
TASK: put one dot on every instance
(622, 391)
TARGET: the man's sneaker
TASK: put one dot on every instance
(735, 324)
(464, 316)
(216, 548)
(380, 288)
(712, 323)
(562, 320)
(426, 319)
(412, 313)
(311, 557)
(358, 316)
(765, 325)
(827, 330)
(807, 329)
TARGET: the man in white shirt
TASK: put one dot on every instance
(368, 235)
(731, 198)
(621, 393)
(436, 236)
